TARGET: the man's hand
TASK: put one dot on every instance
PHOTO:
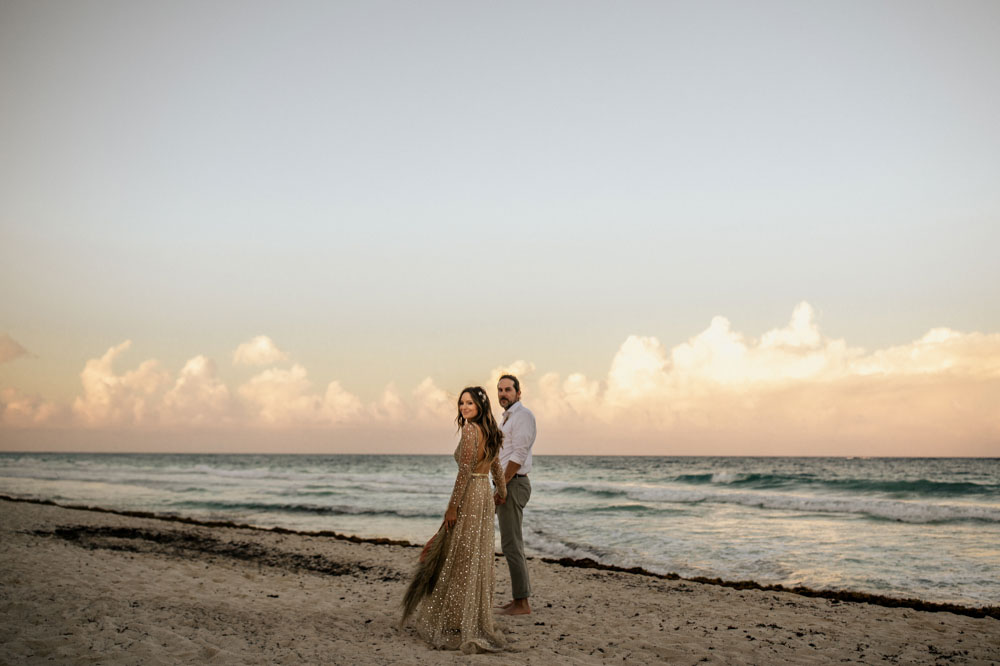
(497, 500)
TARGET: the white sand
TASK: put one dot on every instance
(159, 592)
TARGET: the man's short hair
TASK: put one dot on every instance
(517, 384)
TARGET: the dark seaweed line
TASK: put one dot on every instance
(380, 541)
(833, 595)
(584, 563)
(174, 542)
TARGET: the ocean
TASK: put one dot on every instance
(901, 527)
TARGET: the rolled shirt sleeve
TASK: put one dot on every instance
(519, 437)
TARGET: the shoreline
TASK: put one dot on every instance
(146, 452)
(849, 596)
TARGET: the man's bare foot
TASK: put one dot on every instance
(517, 607)
(506, 605)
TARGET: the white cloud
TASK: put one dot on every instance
(802, 331)
(520, 369)
(722, 356)
(783, 392)
(198, 397)
(19, 410)
(278, 397)
(390, 406)
(574, 398)
(282, 396)
(432, 404)
(110, 399)
(638, 370)
(940, 351)
(261, 350)
(340, 405)
(791, 383)
(10, 348)
(147, 396)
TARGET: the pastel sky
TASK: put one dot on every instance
(692, 228)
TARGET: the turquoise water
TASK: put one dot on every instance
(926, 528)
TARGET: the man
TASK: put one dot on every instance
(518, 426)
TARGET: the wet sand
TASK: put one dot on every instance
(86, 586)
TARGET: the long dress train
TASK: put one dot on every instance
(457, 613)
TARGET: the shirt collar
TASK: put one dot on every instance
(513, 408)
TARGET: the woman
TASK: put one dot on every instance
(453, 582)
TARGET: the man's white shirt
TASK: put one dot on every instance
(518, 426)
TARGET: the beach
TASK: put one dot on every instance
(85, 586)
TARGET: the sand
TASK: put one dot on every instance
(81, 587)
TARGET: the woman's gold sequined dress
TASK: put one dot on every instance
(458, 614)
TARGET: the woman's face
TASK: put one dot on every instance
(467, 407)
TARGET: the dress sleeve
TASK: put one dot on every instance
(498, 478)
(466, 456)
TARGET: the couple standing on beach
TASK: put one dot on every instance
(453, 582)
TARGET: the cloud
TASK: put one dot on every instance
(941, 351)
(649, 385)
(638, 371)
(340, 405)
(724, 357)
(432, 404)
(792, 385)
(148, 396)
(571, 399)
(520, 369)
(261, 350)
(19, 410)
(111, 399)
(793, 390)
(286, 398)
(10, 349)
(198, 397)
(389, 408)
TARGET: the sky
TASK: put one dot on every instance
(691, 228)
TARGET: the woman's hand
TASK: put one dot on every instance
(450, 518)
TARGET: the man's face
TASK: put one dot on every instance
(506, 395)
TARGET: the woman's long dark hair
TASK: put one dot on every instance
(485, 420)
